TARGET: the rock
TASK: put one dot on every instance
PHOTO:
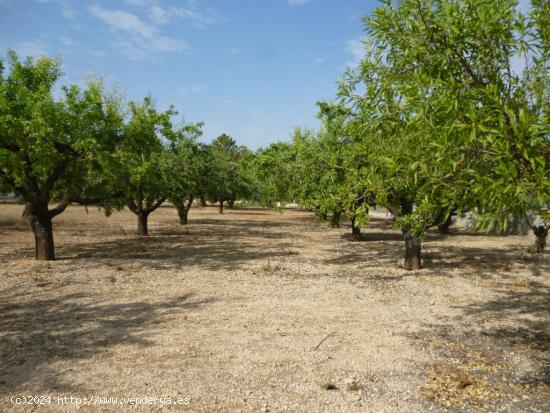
(352, 385)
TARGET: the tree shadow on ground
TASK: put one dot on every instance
(210, 243)
(483, 262)
(240, 212)
(371, 236)
(172, 252)
(378, 254)
(525, 307)
(499, 346)
(440, 258)
(212, 229)
(378, 246)
(36, 332)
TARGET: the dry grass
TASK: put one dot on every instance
(229, 309)
(11, 217)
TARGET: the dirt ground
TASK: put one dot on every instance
(258, 311)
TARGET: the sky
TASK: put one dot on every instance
(253, 69)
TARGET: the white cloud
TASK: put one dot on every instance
(198, 17)
(34, 48)
(297, 2)
(191, 11)
(67, 10)
(141, 39)
(158, 15)
(121, 20)
(138, 48)
(356, 48)
(167, 44)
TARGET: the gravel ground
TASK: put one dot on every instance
(259, 311)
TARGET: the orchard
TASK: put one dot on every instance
(393, 257)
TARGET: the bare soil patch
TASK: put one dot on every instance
(232, 310)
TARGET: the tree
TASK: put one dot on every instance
(449, 120)
(307, 171)
(187, 168)
(273, 174)
(141, 159)
(341, 159)
(229, 181)
(394, 175)
(49, 148)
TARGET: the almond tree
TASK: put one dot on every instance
(187, 168)
(228, 180)
(450, 117)
(140, 157)
(273, 173)
(52, 149)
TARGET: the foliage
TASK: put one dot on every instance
(229, 180)
(53, 149)
(449, 119)
(140, 157)
(272, 174)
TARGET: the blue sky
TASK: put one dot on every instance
(250, 68)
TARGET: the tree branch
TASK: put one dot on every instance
(132, 205)
(463, 61)
(159, 202)
(55, 175)
(189, 202)
(60, 207)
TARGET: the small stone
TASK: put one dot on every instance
(352, 385)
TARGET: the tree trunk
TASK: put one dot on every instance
(182, 213)
(444, 227)
(202, 201)
(413, 260)
(335, 221)
(231, 203)
(142, 223)
(221, 207)
(355, 230)
(541, 233)
(41, 224)
(186, 212)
